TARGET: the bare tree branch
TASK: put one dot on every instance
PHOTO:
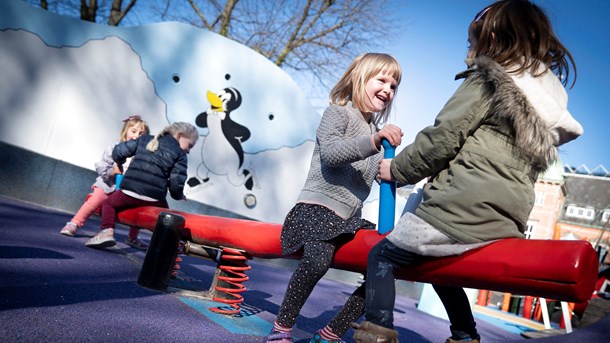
(117, 14)
(314, 39)
(200, 15)
(88, 12)
(226, 17)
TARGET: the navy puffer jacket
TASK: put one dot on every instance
(152, 173)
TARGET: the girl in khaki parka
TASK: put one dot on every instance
(482, 157)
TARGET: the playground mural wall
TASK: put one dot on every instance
(67, 85)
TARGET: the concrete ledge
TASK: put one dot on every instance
(45, 181)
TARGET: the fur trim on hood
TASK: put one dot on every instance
(535, 107)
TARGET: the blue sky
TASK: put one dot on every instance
(431, 46)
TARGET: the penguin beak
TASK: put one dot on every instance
(215, 102)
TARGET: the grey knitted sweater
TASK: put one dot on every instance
(344, 162)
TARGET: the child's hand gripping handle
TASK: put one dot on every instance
(387, 195)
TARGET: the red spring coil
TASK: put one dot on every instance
(176, 267)
(232, 264)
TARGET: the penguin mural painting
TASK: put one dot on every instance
(144, 70)
(221, 151)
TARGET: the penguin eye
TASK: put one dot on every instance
(225, 97)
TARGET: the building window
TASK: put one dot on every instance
(605, 216)
(571, 211)
(531, 226)
(539, 199)
(589, 213)
(584, 213)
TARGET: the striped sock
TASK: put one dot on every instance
(328, 334)
(277, 327)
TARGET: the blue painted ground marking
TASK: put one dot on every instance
(246, 323)
(506, 324)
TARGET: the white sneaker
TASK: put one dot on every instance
(69, 230)
(104, 239)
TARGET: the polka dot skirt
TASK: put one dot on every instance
(310, 222)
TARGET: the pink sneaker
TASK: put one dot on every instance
(69, 230)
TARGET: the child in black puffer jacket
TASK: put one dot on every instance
(159, 164)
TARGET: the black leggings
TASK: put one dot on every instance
(316, 260)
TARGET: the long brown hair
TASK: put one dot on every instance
(518, 34)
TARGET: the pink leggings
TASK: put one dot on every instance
(92, 203)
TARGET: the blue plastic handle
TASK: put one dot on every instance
(117, 180)
(387, 195)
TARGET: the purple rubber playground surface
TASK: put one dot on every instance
(54, 289)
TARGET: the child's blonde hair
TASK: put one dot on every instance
(352, 84)
(185, 129)
(131, 121)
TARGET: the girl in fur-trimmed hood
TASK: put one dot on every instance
(482, 156)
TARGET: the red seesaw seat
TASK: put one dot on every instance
(561, 270)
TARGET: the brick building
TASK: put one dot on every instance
(572, 203)
(586, 209)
